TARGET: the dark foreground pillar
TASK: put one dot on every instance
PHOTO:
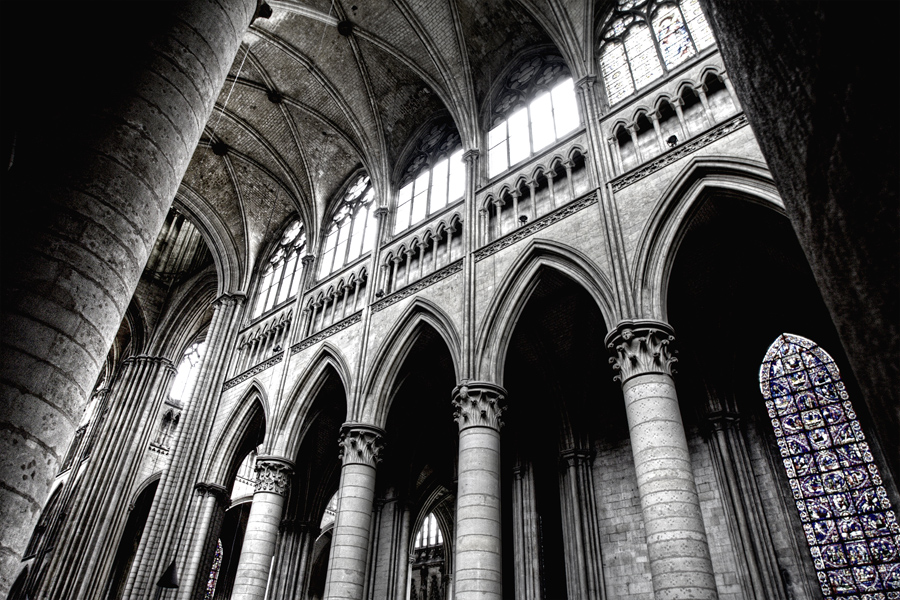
(100, 119)
(817, 107)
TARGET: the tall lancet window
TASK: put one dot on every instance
(283, 270)
(352, 230)
(850, 527)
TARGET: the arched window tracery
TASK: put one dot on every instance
(352, 230)
(284, 270)
(850, 526)
(536, 107)
(644, 39)
(435, 177)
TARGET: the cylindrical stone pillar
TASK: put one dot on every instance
(361, 447)
(680, 565)
(478, 407)
(273, 476)
(77, 245)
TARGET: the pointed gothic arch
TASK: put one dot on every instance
(658, 244)
(516, 288)
(226, 455)
(393, 351)
(296, 415)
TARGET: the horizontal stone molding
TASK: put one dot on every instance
(537, 225)
(415, 288)
(677, 153)
(253, 371)
(327, 332)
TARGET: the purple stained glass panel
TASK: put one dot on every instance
(850, 526)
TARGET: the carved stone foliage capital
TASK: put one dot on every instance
(361, 444)
(478, 404)
(273, 474)
(641, 347)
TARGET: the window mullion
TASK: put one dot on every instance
(653, 38)
(687, 29)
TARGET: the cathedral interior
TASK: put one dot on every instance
(450, 300)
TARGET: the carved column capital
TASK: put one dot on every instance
(231, 299)
(361, 444)
(381, 211)
(273, 474)
(478, 404)
(641, 347)
(586, 83)
(575, 456)
(308, 259)
(220, 493)
(721, 420)
(470, 156)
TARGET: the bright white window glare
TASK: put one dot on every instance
(497, 155)
(519, 145)
(429, 533)
(420, 197)
(439, 185)
(542, 133)
(565, 107)
(186, 374)
(403, 205)
(457, 176)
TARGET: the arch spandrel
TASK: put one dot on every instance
(654, 254)
(515, 289)
(381, 374)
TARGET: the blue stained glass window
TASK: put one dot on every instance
(214, 572)
(850, 526)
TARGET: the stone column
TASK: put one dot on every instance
(526, 540)
(214, 500)
(360, 450)
(477, 410)
(676, 538)
(97, 507)
(273, 477)
(584, 565)
(744, 507)
(83, 229)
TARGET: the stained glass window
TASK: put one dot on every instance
(851, 529)
(284, 271)
(214, 572)
(643, 40)
(352, 230)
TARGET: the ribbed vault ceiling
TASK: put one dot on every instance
(305, 106)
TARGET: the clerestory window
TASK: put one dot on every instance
(352, 230)
(644, 39)
(850, 527)
(187, 372)
(538, 107)
(284, 270)
(435, 177)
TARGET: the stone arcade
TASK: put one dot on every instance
(448, 300)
